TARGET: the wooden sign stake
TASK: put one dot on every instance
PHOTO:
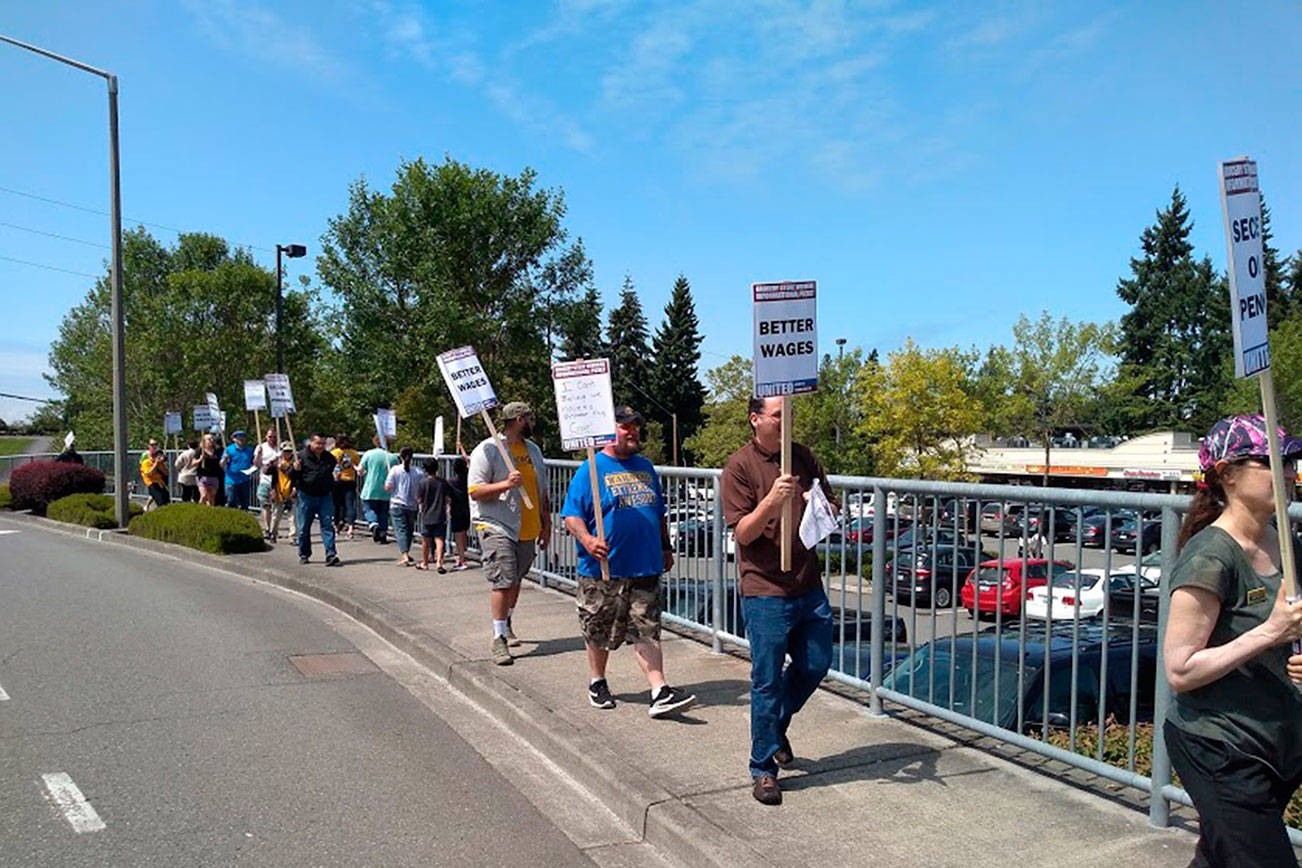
(786, 470)
(290, 426)
(596, 510)
(460, 449)
(1288, 568)
(505, 449)
(257, 425)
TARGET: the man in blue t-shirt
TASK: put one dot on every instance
(637, 551)
(238, 459)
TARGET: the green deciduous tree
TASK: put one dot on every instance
(198, 319)
(451, 255)
(828, 421)
(726, 426)
(628, 349)
(1176, 334)
(1057, 369)
(918, 415)
(676, 349)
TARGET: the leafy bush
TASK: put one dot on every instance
(37, 484)
(212, 529)
(5, 497)
(88, 510)
(1116, 752)
(832, 562)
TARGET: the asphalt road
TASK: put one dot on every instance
(165, 695)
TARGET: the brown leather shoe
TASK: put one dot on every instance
(767, 791)
(784, 755)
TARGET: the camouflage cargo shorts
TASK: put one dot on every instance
(620, 610)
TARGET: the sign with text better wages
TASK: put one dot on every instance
(467, 381)
(786, 337)
(1241, 204)
(584, 403)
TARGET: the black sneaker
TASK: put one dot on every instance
(375, 532)
(302, 560)
(599, 695)
(669, 700)
(333, 561)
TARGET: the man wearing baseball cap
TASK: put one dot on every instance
(1234, 729)
(237, 459)
(508, 530)
(636, 550)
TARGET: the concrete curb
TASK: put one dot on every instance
(667, 823)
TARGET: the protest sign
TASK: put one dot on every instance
(281, 395)
(786, 337)
(586, 411)
(171, 423)
(1241, 207)
(584, 403)
(438, 436)
(786, 359)
(468, 383)
(213, 407)
(204, 420)
(255, 395)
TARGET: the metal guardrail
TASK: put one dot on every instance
(1028, 684)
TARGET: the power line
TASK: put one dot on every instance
(25, 398)
(52, 201)
(52, 235)
(51, 267)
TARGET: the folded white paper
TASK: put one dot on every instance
(819, 520)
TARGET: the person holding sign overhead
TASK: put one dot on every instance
(1234, 731)
(625, 606)
(786, 611)
(512, 515)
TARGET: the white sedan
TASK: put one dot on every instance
(1066, 594)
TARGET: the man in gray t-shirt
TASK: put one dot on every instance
(508, 528)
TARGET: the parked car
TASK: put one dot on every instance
(992, 517)
(861, 529)
(926, 675)
(1126, 536)
(1083, 592)
(1001, 585)
(1122, 605)
(923, 536)
(929, 575)
(694, 537)
(1093, 529)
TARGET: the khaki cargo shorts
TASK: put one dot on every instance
(506, 561)
(620, 610)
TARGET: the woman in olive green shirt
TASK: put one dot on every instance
(1234, 731)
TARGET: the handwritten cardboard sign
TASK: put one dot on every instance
(584, 403)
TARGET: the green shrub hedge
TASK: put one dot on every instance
(5, 497)
(88, 510)
(212, 529)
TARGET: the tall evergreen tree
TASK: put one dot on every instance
(579, 325)
(1280, 303)
(627, 347)
(1292, 281)
(677, 348)
(1176, 336)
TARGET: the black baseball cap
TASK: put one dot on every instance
(625, 414)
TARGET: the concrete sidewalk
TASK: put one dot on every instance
(864, 789)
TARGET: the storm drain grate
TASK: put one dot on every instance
(332, 665)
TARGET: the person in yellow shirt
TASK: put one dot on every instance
(153, 471)
(345, 490)
(282, 493)
(509, 529)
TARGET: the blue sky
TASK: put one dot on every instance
(938, 168)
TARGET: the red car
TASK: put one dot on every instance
(1001, 585)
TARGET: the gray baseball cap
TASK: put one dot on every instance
(515, 410)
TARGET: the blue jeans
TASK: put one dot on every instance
(311, 506)
(237, 494)
(376, 512)
(404, 525)
(345, 503)
(778, 626)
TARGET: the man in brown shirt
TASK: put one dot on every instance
(785, 612)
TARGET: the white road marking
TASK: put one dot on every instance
(3, 695)
(76, 809)
(3, 532)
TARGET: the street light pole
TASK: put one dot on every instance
(293, 251)
(120, 499)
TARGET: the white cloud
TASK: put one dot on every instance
(258, 32)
